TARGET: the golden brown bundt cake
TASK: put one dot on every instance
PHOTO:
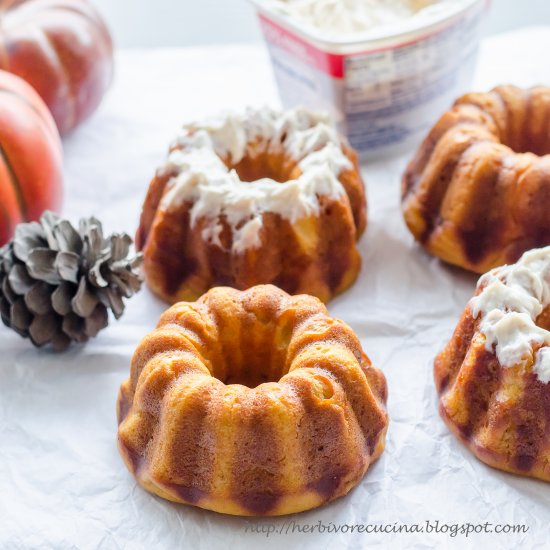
(251, 403)
(263, 197)
(477, 193)
(494, 375)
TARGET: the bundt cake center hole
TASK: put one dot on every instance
(249, 379)
(526, 142)
(275, 167)
(543, 320)
(253, 371)
(257, 353)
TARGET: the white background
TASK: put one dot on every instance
(191, 22)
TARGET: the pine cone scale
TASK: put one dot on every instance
(19, 279)
(38, 299)
(41, 265)
(20, 316)
(28, 236)
(97, 321)
(8, 291)
(62, 298)
(43, 328)
(66, 264)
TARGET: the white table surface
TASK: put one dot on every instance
(62, 482)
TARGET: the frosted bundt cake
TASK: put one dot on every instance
(494, 376)
(477, 194)
(251, 403)
(263, 197)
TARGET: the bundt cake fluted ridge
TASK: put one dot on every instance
(251, 403)
(477, 193)
(263, 197)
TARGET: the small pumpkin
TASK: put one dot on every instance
(63, 49)
(30, 156)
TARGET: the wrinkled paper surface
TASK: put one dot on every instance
(62, 482)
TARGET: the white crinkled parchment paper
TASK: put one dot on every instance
(62, 483)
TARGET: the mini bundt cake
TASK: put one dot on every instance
(494, 376)
(477, 194)
(263, 197)
(251, 403)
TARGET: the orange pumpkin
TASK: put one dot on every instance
(63, 49)
(30, 156)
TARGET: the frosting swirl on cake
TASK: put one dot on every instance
(205, 153)
(509, 304)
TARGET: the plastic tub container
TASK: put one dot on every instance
(384, 92)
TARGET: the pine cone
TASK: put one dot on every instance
(57, 284)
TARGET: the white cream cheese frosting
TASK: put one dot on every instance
(542, 365)
(342, 18)
(508, 306)
(216, 190)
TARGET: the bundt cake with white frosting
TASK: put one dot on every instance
(262, 197)
(251, 403)
(493, 377)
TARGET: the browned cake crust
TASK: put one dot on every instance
(502, 414)
(317, 255)
(251, 403)
(477, 193)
